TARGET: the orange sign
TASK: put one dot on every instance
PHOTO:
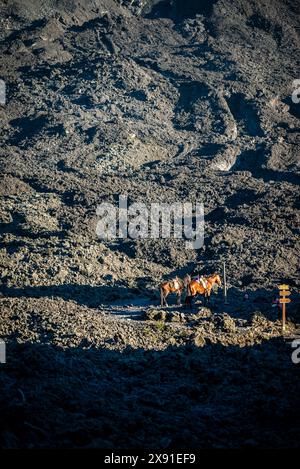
(283, 287)
(285, 300)
(284, 293)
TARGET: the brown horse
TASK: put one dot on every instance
(195, 287)
(175, 285)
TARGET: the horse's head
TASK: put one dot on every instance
(187, 279)
(217, 279)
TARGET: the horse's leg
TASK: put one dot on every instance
(208, 294)
(188, 298)
(179, 298)
(165, 298)
(188, 302)
(162, 297)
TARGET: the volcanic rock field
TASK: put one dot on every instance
(161, 101)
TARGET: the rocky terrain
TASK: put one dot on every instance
(162, 101)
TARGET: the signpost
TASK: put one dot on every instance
(284, 300)
(283, 293)
(283, 286)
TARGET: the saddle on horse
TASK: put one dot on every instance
(175, 283)
(202, 280)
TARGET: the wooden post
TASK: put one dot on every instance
(283, 317)
(224, 284)
(284, 293)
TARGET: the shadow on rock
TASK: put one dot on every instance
(181, 397)
(89, 295)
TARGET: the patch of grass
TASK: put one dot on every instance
(160, 325)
